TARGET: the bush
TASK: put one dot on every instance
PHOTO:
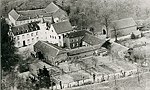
(23, 68)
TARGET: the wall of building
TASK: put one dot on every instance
(26, 38)
(12, 19)
(27, 21)
(85, 44)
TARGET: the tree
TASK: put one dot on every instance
(106, 12)
(9, 56)
(45, 79)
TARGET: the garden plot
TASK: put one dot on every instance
(68, 67)
(134, 43)
(65, 78)
(79, 75)
(125, 65)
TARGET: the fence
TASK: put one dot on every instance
(98, 79)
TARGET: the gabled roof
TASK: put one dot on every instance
(25, 28)
(122, 23)
(92, 40)
(31, 14)
(79, 33)
(51, 7)
(48, 48)
(14, 14)
(62, 27)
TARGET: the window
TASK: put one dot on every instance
(52, 30)
(31, 34)
(77, 44)
(76, 39)
(73, 44)
(18, 43)
(28, 35)
(17, 37)
(59, 37)
(37, 38)
(55, 37)
(26, 30)
(32, 39)
(28, 41)
(23, 37)
(36, 33)
(72, 40)
(63, 35)
(50, 36)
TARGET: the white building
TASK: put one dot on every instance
(28, 16)
(29, 34)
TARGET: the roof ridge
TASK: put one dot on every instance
(52, 47)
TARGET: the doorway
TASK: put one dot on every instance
(104, 31)
(24, 44)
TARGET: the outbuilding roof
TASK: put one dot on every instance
(122, 24)
(92, 40)
(51, 7)
(79, 33)
(48, 48)
(25, 28)
(62, 27)
(31, 14)
(14, 14)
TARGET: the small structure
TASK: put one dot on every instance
(26, 34)
(49, 53)
(90, 40)
(122, 27)
(75, 39)
(24, 17)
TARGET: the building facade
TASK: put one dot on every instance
(29, 34)
(28, 16)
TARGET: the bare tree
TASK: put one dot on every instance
(105, 14)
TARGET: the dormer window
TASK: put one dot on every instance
(17, 37)
(31, 25)
(31, 34)
(21, 32)
(26, 30)
(36, 28)
(17, 32)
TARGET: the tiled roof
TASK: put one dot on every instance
(47, 48)
(31, 14)
(25, 28)
(62, 27)
(79, 33)
(92, 40)
(84, 49)
(51, 7)
(14, 14)
(122, 23)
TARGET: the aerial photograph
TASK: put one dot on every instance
(75, 44)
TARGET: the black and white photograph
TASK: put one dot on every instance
(75, 44)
